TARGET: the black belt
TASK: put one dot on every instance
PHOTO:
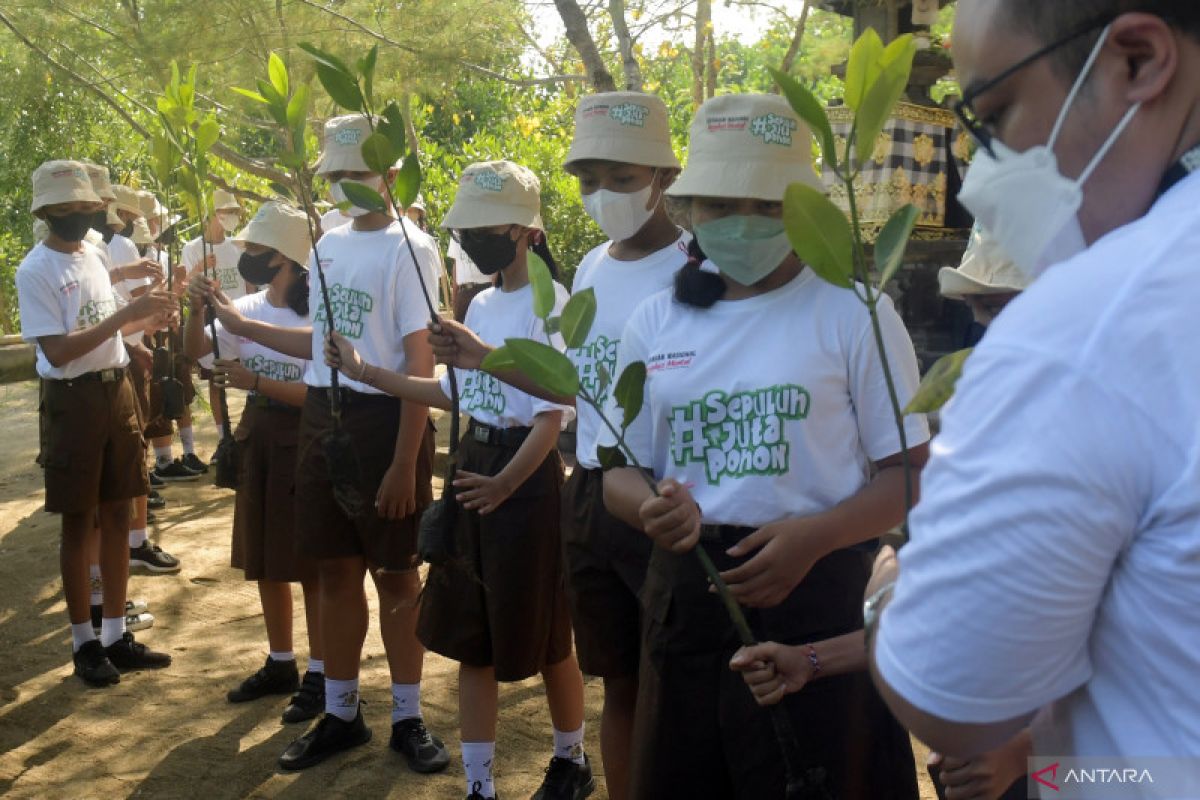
(262, 401)
(497, 437)
(111, 375)
(730, 535)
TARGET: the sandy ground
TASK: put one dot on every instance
(171, 733)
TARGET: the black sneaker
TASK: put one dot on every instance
(156, 502)
(175, 472)
(93, 666)
(476, 794)
(155, 482)
(308, 700)
(330, 736)
(127, 655)
(194, 464)
(275, 677)
(152, 557)
(424, 752)
(566, 780)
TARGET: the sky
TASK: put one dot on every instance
(745, 24)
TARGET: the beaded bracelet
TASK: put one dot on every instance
(812, 659)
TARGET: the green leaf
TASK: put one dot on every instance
(893, 241)
(366, 68)
(899, 54)
(611, 457)
(277, 71)
(809, 108)
(408, 181)
(255, 96)
(291, 160)
(268, 91)
(297, 108)
(630, 392)
(863, 68)
(341, 87)
(876, 109)
(328, 59)
(365, 197)
(543, 285)
(937, 387)
(283, 191)
(208, 133)
(545, 366)
(377, 153)
(577, 317)
(392, 126)
(820, 234)
(498, 360)
(552, 325)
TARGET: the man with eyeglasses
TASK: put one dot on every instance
(1054, 570)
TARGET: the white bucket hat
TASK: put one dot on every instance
(419, 203)
(281, 227)
(225, 201)
(57, 182)
(746, 145)
(100, 180)
(496, 193)
(341, 149)
(126, 199)
(629, 127)
(985, 269)
(141, 232)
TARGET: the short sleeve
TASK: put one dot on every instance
(869, 390)
(639, 436)
(412, 310)
(41, 313)
(1026, 505)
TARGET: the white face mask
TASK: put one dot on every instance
(338, 195)
(1025, 203)
(619, 215)
(228, 221)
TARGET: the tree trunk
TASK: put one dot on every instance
(699, 48)
(580, 37)
(710, 68)
(793, 51)
(633, 70)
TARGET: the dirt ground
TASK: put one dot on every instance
(171, 733)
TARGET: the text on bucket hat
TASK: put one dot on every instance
(224, 200)
(629, 127)
(126, 199)
(100, 180)
(746, 145)
(281, 227)
(57, 182)
(985, 269)
(341, 147)
(496, 193)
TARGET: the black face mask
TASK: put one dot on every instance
(257, 270)
(491, 252)
(70, 227)
(99, 223)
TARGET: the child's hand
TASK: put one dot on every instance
(772, 671)
(671, 518)
(456, 345)
(985, 777)
(482, 493)
(230, 374)
(341, 355)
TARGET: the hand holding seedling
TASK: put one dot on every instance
(456, 345)
(671, 518)
(341, 355)
(772, 670)
(230, 374)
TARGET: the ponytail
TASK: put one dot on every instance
(297, 291)
(695, 287)
(539, 246)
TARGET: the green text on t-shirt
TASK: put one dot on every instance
(596, 357)
(350, 307)
(269, 368)
(482, 392)
(93, 312)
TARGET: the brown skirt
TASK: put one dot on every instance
(503, 603)
(265, 545)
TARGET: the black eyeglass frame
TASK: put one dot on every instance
(964, 108)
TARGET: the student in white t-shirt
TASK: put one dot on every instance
(92, 449)
(765, 415)
(265, 546)
(375, 290)
(499, 608)
(468, 280)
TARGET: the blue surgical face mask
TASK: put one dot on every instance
(745, 249)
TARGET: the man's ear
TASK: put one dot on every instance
(1150, 47)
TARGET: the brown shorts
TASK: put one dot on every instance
(503, 603)
(265, 545)
(141, 380)
(94, 451)
(605, 562)
(159, 425)
(698, 731)
(372, 422)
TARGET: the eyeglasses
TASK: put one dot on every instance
(964, 109)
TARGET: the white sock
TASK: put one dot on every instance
(81, 634)
(188, 438)
(341, 698)
(477, 761)
(406, 701)
(111, 630)
(316, 665)
(137, 537)
(97, 585)
(569, 744)
(162, 455)
(283, 655)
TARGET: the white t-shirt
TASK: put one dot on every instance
(258, 359)
(59, 293)
(620, 286)
(375, 292)
(227, 274)
(122, 252)
(334, 219)
(772, 407)
(1055, 554)
(465, 270)
(496, 315)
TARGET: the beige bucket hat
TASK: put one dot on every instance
(985, 269)
(746, 145)
(496, 193)
(225, 201)
(141, 232)
(126, 199)
(281, 227)
(100, 180)
(62, 182)
(341, 148)
(630, 127)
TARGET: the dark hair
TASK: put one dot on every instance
(297, 291)
(1053, 20)
(694, 286)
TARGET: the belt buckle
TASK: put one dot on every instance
(108, 375)
(481, 434)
